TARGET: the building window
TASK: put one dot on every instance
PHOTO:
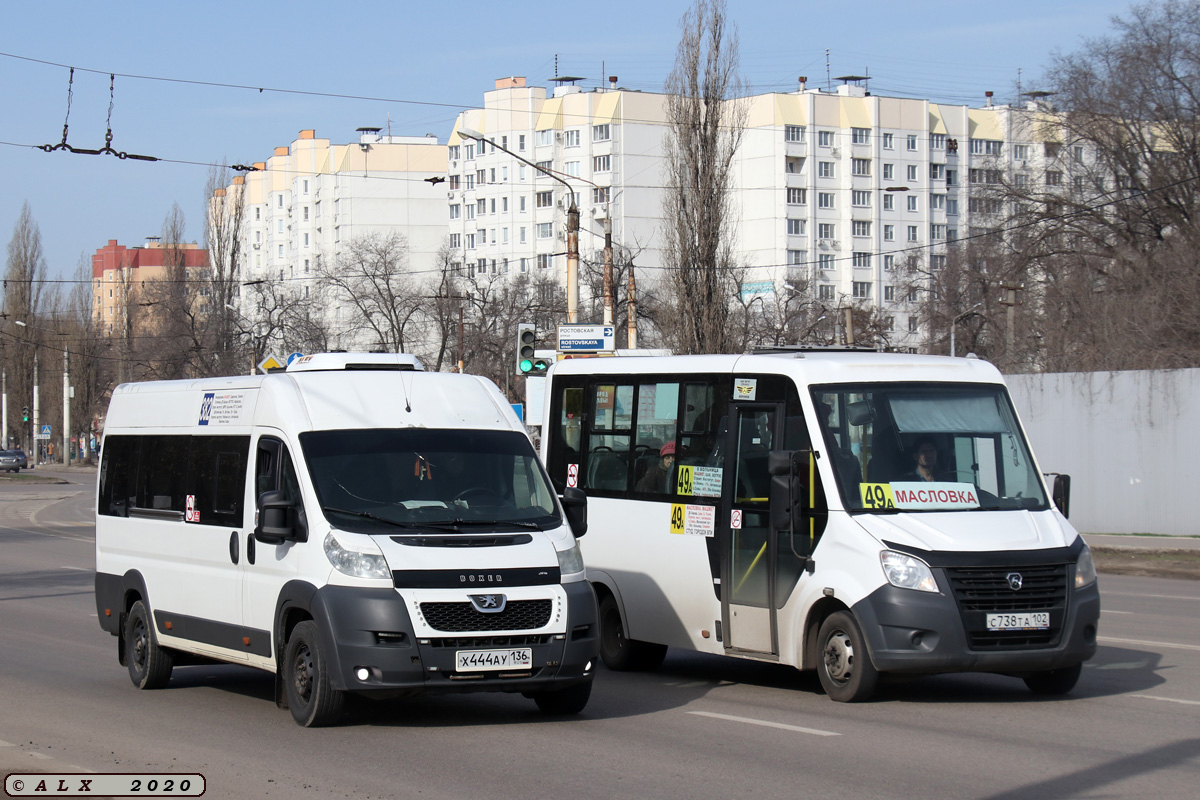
(481, 177)
(1053, 177)
(521, 142)
(937, 202)
(937, 232)
(889, 233)
(470, 210)
(795, 257)
(889, 263)
(1020, 152)
(889, 293)
(793, 133)
(937, 262)
(912, 233)
(572, 169)
(825, 138)
(797, 197)
(825, 230)
(860, 135)
(600, 133)
(521, 234)
(889, 141)
(889, 172)
(862, 289)
(571, 138)
(601, 163)
(469, 150)
(545, 137)
(453, 151)
(470, 179)
(306, 212)
(937, 172)
(912, 202)
(825, 260)
(937, 141)
(795, 227)
(482, 206)
(912, 142)
(306, 240)
(912, 324)
(986, 147)
(279, 201)
(861, 227)
(521, 204)
(544, 199)
(824, 169)
(504, 204)
(455, 240)
(504, 237)
(824, 199)
(861, 260)
(951, 207)
(544, 260)
(912, 172)
(545, 230)
(860, 166)
(889, 202)
(281, 251)
(860, 198)
(454, 182)
(825, 292)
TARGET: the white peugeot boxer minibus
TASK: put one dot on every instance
(857, 513)
(352, 524)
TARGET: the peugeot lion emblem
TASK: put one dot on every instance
(494, 603)
(1014, 581)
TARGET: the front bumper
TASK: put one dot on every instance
(372, 629)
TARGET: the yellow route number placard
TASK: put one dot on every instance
(878, 495)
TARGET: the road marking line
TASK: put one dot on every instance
(764, 723)
(85, 569)
(40, 755)
(1109, 611)
(6, 744)
(1149, 644)
(1155, 596)
(1167, 699)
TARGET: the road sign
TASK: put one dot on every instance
(269, 363)
(586, 338)
(46, 431)
(293, 357)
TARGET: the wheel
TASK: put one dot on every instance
(149, 665)
(619, 653)
(313, 701)
(564, 701)
(847, 674)
(1054, 681)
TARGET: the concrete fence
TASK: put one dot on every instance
(1129, 441)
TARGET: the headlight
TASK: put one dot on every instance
(570, 561)
(907, 572)
(362, 559)
(1085, 568)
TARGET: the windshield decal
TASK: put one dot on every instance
(920, 496)
(699, 481)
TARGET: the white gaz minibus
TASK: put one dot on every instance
(852, 512)
(354, 524)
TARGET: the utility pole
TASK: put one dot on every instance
(1010, 302)
(631, 308)
(34, 429)
(66, 410)
(608, 270)
(4, 408)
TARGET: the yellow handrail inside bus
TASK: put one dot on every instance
(750, 568)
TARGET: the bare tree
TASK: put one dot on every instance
(706, 119)
(225, 350)
(24, 282)
(372, 277)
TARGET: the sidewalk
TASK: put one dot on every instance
(1142, 542)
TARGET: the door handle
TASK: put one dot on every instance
(250, 547)
(233, 547)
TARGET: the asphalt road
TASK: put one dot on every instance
(699, 727)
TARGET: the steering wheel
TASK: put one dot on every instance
(484, 494)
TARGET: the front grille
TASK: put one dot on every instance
(518, 615)
(983, 590)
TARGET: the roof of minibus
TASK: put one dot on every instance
(808, 367)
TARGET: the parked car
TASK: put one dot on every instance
(13, 460)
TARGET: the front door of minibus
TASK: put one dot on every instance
(749, 556)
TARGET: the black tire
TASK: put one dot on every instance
(149, 665)
(1054, 681)
(844, 665)
(619, 653)
(571, 700)
(314, 703)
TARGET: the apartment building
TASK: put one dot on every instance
(834, 190)
(123, 279)
(311, 199)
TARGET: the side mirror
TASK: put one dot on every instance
(574, 503)
(276, 518)
(786, 502)
(1061, 494)
(781, 462)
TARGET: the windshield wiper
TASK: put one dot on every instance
(514, 523)
(443, 526)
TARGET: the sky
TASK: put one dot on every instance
(415, 66)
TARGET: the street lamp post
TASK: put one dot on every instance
(572, 224)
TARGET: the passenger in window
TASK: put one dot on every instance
(658, 477)
(925, 458)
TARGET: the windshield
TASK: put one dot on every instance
(927, 447)
(446, 480)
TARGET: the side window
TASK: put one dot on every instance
(701, 433)
(563, 453)
(217, 478)
(655, 449)
(608, 445)
(161, 473)
(118, 475)
(274, 470)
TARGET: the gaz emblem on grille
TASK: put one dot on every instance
(488, 603)
(1015, 581)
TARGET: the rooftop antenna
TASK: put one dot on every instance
(389, 126)
(828, 79)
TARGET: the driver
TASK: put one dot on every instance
(925, 458)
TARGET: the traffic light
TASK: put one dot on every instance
(527, 361)
(25, 414)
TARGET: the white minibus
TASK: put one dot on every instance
(853, 512)
(353, 524)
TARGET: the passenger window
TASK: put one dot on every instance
(655, 451)
(118, 475)
(163, 466)
(217, 478)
